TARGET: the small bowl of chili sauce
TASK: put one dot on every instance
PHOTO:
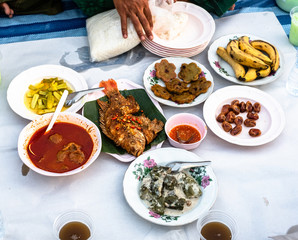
(185, 130)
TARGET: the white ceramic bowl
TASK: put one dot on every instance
(44, 120)
(19, 86)
(186, 119)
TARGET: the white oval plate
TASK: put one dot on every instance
(19, 86)
(199, 28)
(150, 79)
(123, 84)
(222, 68)
(132, 183)
(271, 117)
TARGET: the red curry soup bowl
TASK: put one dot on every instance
(185, 130)
(71, 146)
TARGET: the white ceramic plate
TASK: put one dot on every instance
(19, 86)
(124, 84)
(199, 28)
(222, 68)
(271, 117)
(132, 183)
(150, 79)
(167, 53)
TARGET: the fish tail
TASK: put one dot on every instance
(109, 85)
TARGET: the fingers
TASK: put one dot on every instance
(138, 27)
(123, 19)
(141, 25)
(7, 10)
(147, 23)
(139, 13)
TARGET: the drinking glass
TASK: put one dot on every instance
(73, 216)
(216, 216)
(294, 26)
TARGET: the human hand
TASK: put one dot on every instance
(7, 10)
(139, 13)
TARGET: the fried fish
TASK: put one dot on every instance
(119, 124)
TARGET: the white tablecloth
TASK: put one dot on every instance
(257, 185)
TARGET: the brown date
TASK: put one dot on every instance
(226, 126)
(236, 130)
(235, 108)
(238, 120)
(230, 117)
(257, 107)
(221, 118)
(250, 123)
(242, 107)
(235, 102)
(254, 132)
(249, 106)
(225, 109)
(252, 115)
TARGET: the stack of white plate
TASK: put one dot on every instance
(192, 40)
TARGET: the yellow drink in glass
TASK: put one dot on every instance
(294, 26)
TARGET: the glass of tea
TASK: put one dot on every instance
(73, 225)
(217, 225)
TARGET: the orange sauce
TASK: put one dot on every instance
(43, 152)
(185, 134)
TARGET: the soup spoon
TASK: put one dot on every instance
(57, 111)
(54, 117)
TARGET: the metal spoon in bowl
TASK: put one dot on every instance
(54, 117)
(76, 96)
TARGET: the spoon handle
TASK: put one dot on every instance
(57, 111)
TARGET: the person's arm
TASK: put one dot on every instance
(139, 13)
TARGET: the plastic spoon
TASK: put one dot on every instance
(57, 111)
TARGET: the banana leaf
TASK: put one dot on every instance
(91, 111)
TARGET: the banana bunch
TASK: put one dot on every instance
(250, 59)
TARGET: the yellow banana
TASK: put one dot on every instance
(238, 68)
(264, 72)
(245, 46)
(250, 75)
(244, 58)
(270, 50)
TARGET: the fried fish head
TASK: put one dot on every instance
(165, 70)
(176, 86)
(189, 72)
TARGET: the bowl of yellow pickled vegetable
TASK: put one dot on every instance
(37, 90)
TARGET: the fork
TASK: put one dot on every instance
(76, 96)
(177, 166)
